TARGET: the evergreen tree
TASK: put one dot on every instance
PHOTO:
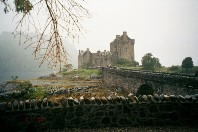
(187, 63)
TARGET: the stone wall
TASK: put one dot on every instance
(89, 59)
(101, 58)
(99, 112)
(162, 83)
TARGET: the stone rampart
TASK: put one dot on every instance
(162, 83)
(93, 112)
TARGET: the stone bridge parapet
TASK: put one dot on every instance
(131, 80)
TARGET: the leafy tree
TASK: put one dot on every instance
(122, 62)
(63, 18)
(149, 62)
(67, 67)
(174, 68)
(187, 63)
(135, 63)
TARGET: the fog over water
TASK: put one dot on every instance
(15, 60)
(23, 75)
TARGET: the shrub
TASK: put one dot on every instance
(145, 90)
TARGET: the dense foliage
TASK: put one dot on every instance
(187, 63)
(145, 90)
(149, 62)
(20, 89)
(126, 63)
(23, 6)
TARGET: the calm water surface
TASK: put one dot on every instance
(22, 75)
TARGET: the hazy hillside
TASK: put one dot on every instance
(14, 57)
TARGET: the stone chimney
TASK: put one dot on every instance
(87, 49)
(125, 33)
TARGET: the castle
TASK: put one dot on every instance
(122, 47)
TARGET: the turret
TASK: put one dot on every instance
(117, 36)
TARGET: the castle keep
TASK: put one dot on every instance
(122, 47)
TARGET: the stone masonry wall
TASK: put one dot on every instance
(162, 83)
(45, 115)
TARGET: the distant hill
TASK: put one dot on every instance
(14, 57)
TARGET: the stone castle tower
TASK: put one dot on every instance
(122, 47)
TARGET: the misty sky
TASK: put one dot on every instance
(166, 28)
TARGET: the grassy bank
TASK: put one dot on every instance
(172, 69)
(84, 73)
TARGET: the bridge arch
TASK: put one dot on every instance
(161, 83)
(145, 89)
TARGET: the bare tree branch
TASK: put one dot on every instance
(61, 17)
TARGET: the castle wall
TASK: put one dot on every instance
(101, 59)
(127, 51)
(80, 61)
(84, 58)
